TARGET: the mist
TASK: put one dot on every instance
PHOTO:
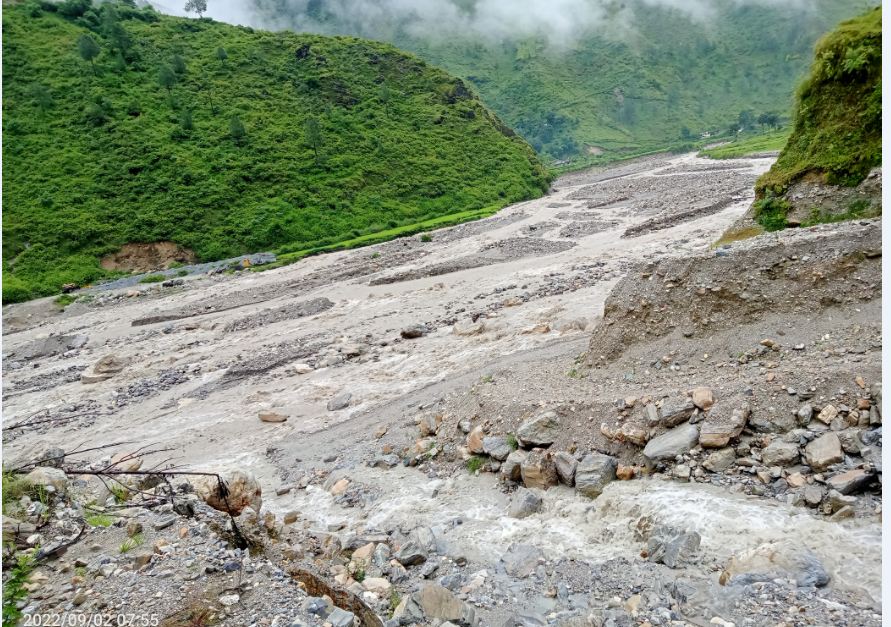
(558, 23)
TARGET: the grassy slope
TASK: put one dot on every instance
(74, 191)
(838, 122)
(672, 72)
(748, 145)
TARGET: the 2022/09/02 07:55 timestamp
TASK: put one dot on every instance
(90, 620)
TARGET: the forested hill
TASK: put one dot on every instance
(648, 77)
(122, 125)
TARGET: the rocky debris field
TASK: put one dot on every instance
(526, 420)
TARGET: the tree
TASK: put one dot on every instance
(167, 79)
(185, 120)
(746, 120)
(204, 86)
(41, 96)
(236, 129)
(178, 64)
(221, 55)
(384, 95)
(113, 31)
(313, 135)
(88, 49)
(769, 119)
(196, 6)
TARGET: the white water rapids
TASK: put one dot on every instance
(575, 527)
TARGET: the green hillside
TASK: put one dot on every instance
(838, 121)
(226, 140)
(621, 90)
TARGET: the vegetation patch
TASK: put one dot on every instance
(122, 125)
(748, 145)
(838, 121)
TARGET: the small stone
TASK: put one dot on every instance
(290, 517)
(163, 523)
(340, 486)
(813, 495)
(512, 467)
(340, 618)
(625, 473)
(271, 416)
(134, 527)
(827, 414)
(474, 440)
(703, 398)
(341, 401)
(228, 600)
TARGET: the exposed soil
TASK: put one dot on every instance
(145, 257)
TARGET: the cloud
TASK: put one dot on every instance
(558, 22)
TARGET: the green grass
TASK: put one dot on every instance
(475, 463)
(649, 79)
(14, 588)
(131, 543)
(99, 520)
(512, 441)
(97, 160)
(153, 278)
(838, 124)
(64, 300)
(748, 145)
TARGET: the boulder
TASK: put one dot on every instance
(671, 546)
(411, 554)
(720, 460)
(496, 447)
(51, 457)
(524, 503)
(676, 410)
(593, 473)
(703, 398)
(824, 452)
(414, 331)
(272, 416)
(439, 604)
(775, 560)
(340, 618)
(724, 422)
(240, 490)
(110, 365)
(779, 453)
(630, 432)
(521, 560)
(672, 443)
(566, 465)
(827, 414)
(538, 471)
(512, 466)
(341, 401)
(47, 476)
(851, 481)
(475, 440)
(542, 430)
(804, 414)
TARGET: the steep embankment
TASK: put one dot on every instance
(824, 173)
(613, 79)
(125, 126)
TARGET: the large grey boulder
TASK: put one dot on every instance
(566, 465)
(779, 453)
(593, 473)
(512, 467)
(496, 447)
(542, 430)
(672, 443)
(824, 452)
(524, 503)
